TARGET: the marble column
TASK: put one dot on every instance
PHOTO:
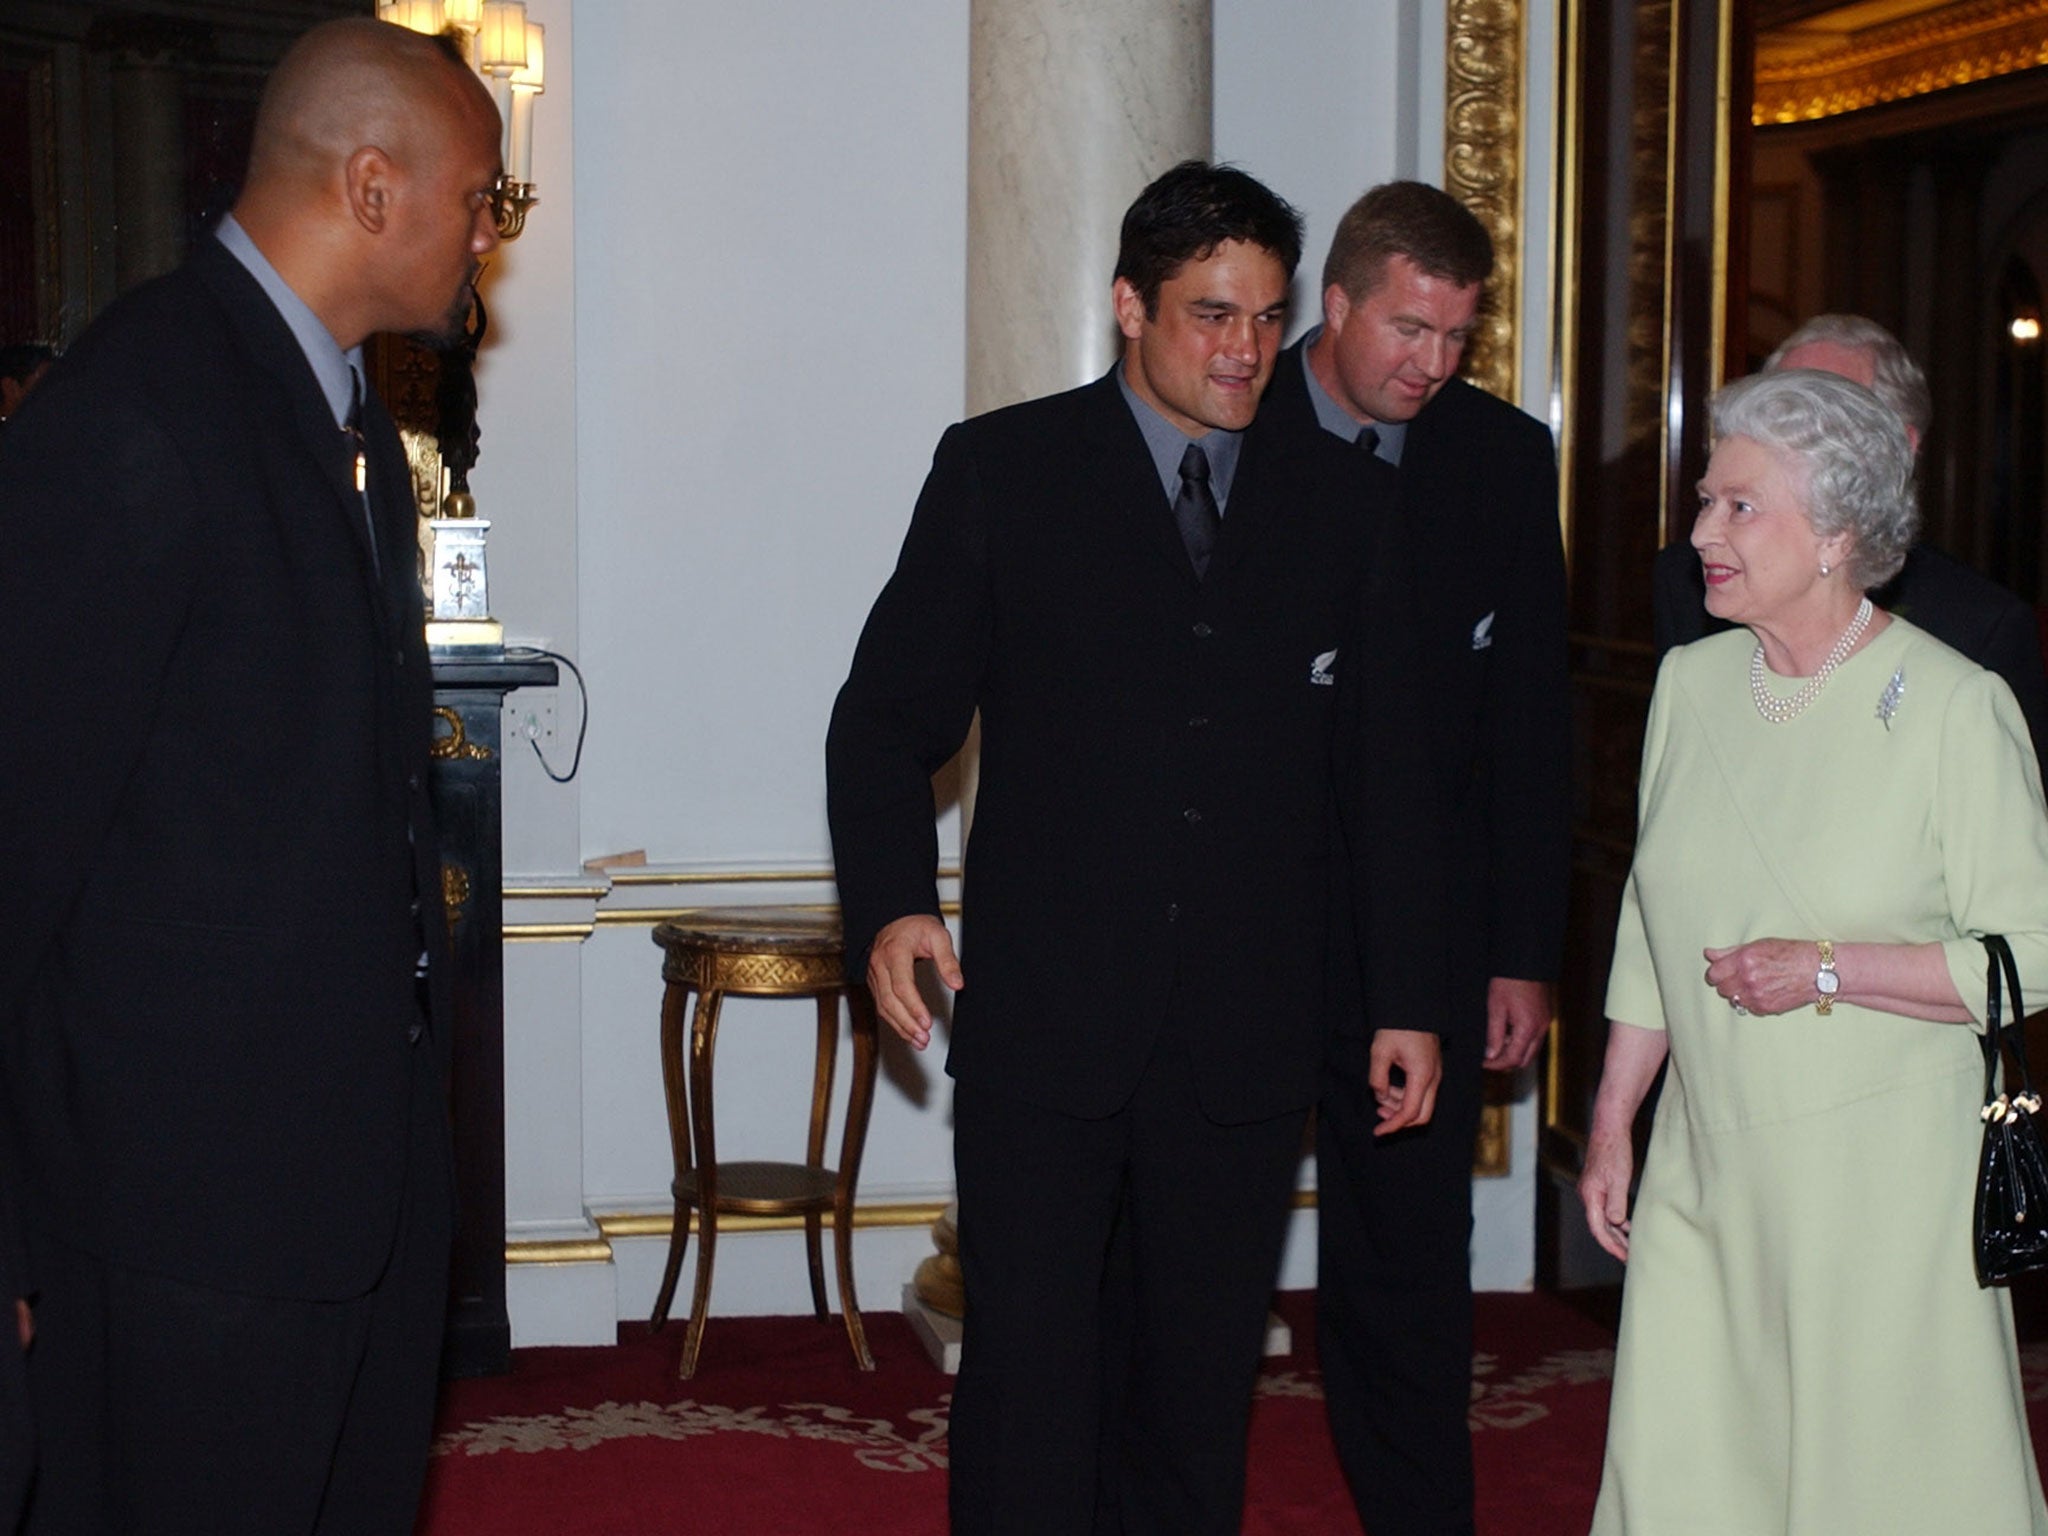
(1073, 106)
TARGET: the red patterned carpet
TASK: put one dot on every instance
(779, 1433)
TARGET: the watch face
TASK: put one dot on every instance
(1828, 983)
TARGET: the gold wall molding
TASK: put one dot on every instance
(1896, 60)
(595, 890)
(826, 875)
(1484, 44)
(623, 1224)
(720, 876)
(1652, 235)
(575, 1250)
(547, 933)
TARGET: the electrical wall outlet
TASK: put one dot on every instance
(530, 716)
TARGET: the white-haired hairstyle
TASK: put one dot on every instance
(1895, 378)
(1852, 448)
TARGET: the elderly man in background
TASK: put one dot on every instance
(224, 1081)
(1955, 604)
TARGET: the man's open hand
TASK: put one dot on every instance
(892, 973)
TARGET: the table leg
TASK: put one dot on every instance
(675, 1006)
(703, 1037)
(860, 1099)
(814, 1151)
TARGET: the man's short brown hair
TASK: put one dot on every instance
(1407, 218)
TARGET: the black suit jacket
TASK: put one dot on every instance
(220, 867)
(1964, 610)
(1477, 515)
(1152, 837)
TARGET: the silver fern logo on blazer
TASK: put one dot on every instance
(1319, 671)
(1482, 633)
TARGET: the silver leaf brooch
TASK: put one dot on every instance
(1888, 701)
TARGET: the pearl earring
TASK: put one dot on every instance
(1823, 567)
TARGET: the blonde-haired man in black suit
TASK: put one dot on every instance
(1475, 501)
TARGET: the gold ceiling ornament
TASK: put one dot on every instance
(1483, 48)
(1895, 60)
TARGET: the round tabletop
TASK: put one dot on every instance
(787, 930)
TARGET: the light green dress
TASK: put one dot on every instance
(1804, 1348)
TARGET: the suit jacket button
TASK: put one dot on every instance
(1196, 722)
(1191, 815)
(1173, 911)
(1202, 630)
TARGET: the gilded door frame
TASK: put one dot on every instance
(1666, 238)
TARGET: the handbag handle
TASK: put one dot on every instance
(1998, 1032)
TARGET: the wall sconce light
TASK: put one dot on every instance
(2025, 328)
(506, 50)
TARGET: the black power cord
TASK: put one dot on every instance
(529, 652)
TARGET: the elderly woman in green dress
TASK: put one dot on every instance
(1834, 808)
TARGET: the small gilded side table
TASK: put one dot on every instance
(760, 952)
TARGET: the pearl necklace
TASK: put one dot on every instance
(1781, 711)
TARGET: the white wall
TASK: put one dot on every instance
(722, 353)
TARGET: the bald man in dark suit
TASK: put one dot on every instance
(224, 1081)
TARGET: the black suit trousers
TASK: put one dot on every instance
(1199, 1211)
(178, 1410)
(1394, 1294)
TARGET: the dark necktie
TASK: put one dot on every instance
(1194, 509)
(354, 428)
(1368, 440)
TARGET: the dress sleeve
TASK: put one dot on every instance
(1994, 837)
(1633, 996)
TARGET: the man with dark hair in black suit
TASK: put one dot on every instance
(1475, 501)
(1167, 629)
(1953, 603)
(225, 1122)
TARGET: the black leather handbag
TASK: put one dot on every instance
(2012, 1169)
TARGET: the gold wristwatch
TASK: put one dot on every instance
(1825, 982)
